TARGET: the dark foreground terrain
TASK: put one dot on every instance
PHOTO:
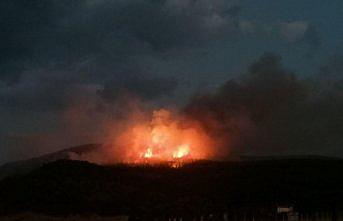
(73, 187)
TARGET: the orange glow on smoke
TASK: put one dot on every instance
(162, 137)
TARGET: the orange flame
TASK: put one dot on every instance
(181, 151)
(164, 137)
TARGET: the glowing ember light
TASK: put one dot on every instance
(148, 153)
(164, 138)
(182, 151)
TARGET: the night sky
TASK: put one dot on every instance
(65, 65)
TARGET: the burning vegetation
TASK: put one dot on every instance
(164, 137)
(269, 110)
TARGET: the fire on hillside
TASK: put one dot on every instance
(162, 138)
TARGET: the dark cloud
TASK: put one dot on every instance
(138, 86)
(25, 25)
(303, 34)
(54, 53)
(332, 69)
(312, 40)
(271, 111)
(96, 42)
(174, 23)
(45, 90)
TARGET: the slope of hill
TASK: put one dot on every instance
(24, 166)
(72, 187)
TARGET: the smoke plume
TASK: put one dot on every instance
(269, 110)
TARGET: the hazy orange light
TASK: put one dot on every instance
(181, 151)
(163, 137)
